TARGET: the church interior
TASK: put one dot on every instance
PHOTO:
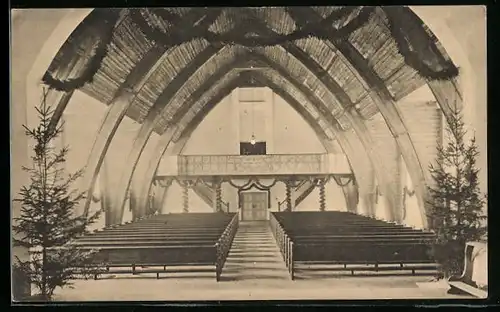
(254, 153)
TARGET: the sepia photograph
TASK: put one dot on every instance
(248, 153)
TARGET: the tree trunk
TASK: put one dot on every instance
(44, 274)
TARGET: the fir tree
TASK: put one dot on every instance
(49, 218)
(456, 200)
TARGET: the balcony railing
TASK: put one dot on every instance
(205, 165)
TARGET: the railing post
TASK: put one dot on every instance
(292, 273)
(185, 197)
(288, 191)
(217, 261)
(322, 196)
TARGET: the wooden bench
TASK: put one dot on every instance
(347, 244)
(198, 252)
(465, 283)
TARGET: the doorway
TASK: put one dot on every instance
(254, 206)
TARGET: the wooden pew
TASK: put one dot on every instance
(466, 282)
(172, 250)
(351, 243)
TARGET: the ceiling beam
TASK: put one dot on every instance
(140, 192)
(355, 120)
(351, 155)
(349, 142)
(152, 119)
(351, 114)
(384, 102)
(447, 92)
(354, 157)
(201, 89)
(122, 100)
(360, 128)
(76, 64)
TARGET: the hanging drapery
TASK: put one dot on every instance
(428, 61)
(110, 19)
(419, 50)
(321, 30)
(406, 192)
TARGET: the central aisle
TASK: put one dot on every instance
(255, 256)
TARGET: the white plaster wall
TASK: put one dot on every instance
(292, 134)
(174, 201)
(334, 199)
(215, 135)
(82, 119)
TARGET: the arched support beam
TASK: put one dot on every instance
(351, 197)
(351, 147)
(161, 147)
(278, 90)
(143, 179)
(355, 158)
(163, 199)
(155, 114)
(384, 102)
(359, 127)
(447, 92)
(121, 102)
(351, 114)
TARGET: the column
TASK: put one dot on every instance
(352, 197)
(289, 203)
(218, 195)
(185, 197)
(322, 197)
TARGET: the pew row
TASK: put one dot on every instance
(189, 244)
(346, 243)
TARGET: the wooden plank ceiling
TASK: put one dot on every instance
(130, 44)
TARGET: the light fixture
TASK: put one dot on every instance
(252, 140)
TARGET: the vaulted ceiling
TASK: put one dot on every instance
(181, 82)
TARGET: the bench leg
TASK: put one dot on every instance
(157, 275)
(217, 274)
(95, 277)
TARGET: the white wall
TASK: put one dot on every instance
(82, 119)
(215, 134)
(334, 198)
(272, 120)
(292, 134)
(174, 201)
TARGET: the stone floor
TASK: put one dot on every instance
(254, 271)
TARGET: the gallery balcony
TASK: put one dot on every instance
(254, 165)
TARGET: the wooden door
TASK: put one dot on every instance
(254, 206)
